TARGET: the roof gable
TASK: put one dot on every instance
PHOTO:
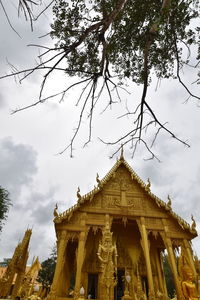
(122, 177)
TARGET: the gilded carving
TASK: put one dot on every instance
(187, 279)
(107, 254)
(111, 201)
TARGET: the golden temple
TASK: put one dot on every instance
(110, 244)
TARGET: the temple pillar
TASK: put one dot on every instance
(80, 260)
(62, 243)
(161, 276)
(189, 255)
(158, 269)
(145, 247)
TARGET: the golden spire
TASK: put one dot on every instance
(122, 152)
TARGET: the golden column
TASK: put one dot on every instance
(80, 259)
(161, 275)
(80, 254)
(145, 247)
(62, 243)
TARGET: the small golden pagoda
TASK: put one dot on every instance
(110, 244)
(29, 280)
(16, 268)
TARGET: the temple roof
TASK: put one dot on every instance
(66, 215)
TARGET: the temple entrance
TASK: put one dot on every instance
(92, 286)
(119, 289)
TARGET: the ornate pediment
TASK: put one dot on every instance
(121, 191)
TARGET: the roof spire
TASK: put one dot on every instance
(122, 152)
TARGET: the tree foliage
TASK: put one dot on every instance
(107, 43)
(113, 36)
(4, 206)
(46, 273)
(168, 277)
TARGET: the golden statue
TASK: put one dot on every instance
(188, 285)
(107, 254)
(29, 280)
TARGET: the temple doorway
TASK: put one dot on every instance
(92, 286)
(119, 289)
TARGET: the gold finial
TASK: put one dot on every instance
(122, 152)
(55, 213)
(169, 203)
(193, 226)
(148, 184)
(78, 193)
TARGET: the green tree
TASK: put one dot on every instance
(45, 275)
(4, 206)
(109, 43)
(168, 277)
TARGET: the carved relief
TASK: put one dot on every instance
(136, 201)
(110, 201)
(121, 182)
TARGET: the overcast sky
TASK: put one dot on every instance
(38, 178)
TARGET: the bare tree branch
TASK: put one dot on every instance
(8, 19)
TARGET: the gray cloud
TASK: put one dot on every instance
(2, 101)
(41, 211)
(18, 165)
